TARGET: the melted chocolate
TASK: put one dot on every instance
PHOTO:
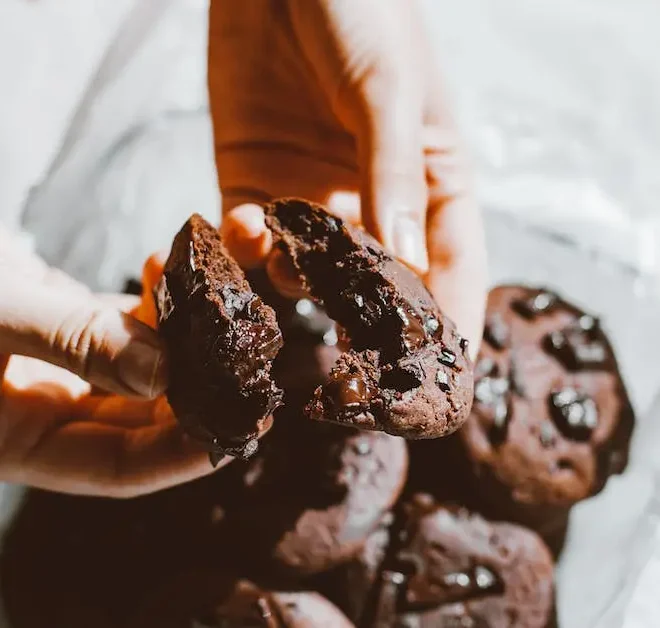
(413, 330)
(259, 342)
(574, 414)
(351, 391)
(449, 588)
(578, 347)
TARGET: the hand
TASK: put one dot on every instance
(338, 101)
(56, 434)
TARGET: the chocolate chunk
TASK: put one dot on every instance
(588, 323)
(516, 377)
(541, 302)
(362, 447)
(496, 332)
(492, 393)
(164, 301)
(332, 223)
(458, 586)
(132, 286)
(489, 389)
(616, 462)
(547, 434)
(242, 452)
(501, 413)
(485, 366)
(431, 325)
(351, 391)
(574, 413)
(442, 379)
(447, 357)
(414, 332)
(577, 348)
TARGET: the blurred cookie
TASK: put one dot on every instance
(215, 600)
(311, 497)
(551, 419)
(453, 568)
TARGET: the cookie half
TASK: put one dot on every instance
(221, 340)
(407, 372)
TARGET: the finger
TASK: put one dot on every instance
(151, 273)
(346, 205)
(109, 447)
(393, 185)
(458, 270)
(90, 458)
(364, 56)
(246, 236)
(284, 276)
(100, 344)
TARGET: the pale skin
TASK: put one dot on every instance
(337, 101)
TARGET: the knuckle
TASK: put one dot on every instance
(80, 339)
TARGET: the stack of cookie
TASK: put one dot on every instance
(362, 504)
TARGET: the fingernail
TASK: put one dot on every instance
(409, 243)
(141, 367)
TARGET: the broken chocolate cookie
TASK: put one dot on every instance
(221, 340)
(407, 371)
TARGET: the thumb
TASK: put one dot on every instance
(367, 62)
(102, 345)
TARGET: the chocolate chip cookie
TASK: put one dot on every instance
(221, 340)
(215, 600)
(309, 499)
(407, 371)
(551, 419)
